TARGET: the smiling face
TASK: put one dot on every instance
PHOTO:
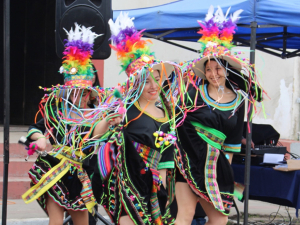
(215, 74)
(80, 96)
(152, 87)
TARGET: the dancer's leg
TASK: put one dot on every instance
(186, 202)
(79, 217)
(55, 212)
(214, 217)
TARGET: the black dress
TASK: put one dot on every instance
(131, 186)
(207, 133)
(60, 174)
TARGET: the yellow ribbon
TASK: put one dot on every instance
(40, 188)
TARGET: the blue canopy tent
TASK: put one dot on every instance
(272, 26)
(278, 23)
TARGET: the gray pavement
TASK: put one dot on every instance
(20, 213)
(263, 209)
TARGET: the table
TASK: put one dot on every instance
(269, 185)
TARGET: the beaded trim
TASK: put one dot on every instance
(148, 154)
(221, 106)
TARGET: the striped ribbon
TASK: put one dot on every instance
(152, 157)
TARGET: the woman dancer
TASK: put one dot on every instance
(59, 180)
(213, 122)
(134, 178)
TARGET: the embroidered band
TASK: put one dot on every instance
(210, 135)
(211, 184)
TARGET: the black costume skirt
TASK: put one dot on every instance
(128, 191)
(204, 168)
(65, 192)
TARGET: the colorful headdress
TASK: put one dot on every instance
(216, 41)
(138, 61)
(186, 68)
(77, 66)
(61, 109)
(133, 52)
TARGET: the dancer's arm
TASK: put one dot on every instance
(36, 133)
(103, 126)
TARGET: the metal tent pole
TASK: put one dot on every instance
(6, 72)
(249, 128)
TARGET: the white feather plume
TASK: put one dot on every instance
(210, 13)
(92, 36)
(82, 33)
(227, 12)
(235, 16)
(220, 15)
(70, 34)
(122, 22)
(85, 33)
(217, 15)
(114, 29)
(77, 32)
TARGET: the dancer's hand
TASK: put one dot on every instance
(115, 121)
(244, 142)
(41, 143)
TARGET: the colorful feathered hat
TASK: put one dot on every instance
(77, 66)
(186, 69)
(133, 52)
(216, 41)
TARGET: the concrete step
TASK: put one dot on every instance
(18, 167)
(15, 132)
(15, 150)
(16, 187)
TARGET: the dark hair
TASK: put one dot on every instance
(97, 82)
(163, 97)
(167, 104)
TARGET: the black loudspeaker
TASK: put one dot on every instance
(90, 13)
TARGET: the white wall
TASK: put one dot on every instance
(135, 4)
(280, 77)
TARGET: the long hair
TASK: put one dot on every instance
(165, 87)
(96, 82)
(167, 104)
